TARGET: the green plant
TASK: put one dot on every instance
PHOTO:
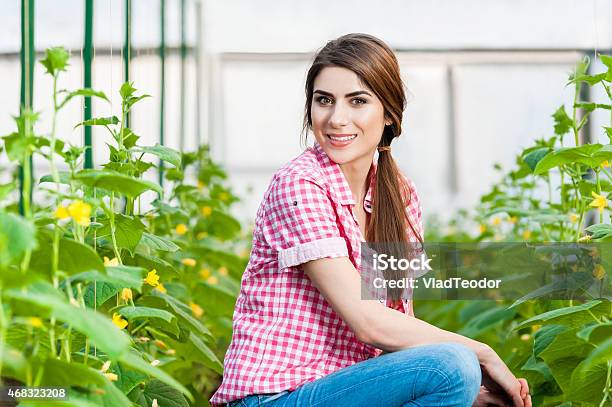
(97, 294)
(562, 347)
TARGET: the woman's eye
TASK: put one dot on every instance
(359, 101)
(323, 100)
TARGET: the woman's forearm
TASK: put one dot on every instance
(392, 331)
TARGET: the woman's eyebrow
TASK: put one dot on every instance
(348, 95)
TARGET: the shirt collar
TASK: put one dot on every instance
(339, 183)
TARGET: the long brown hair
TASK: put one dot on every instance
(376, 65)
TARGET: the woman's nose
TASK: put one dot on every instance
(339, 116)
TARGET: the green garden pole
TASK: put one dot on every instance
(127, 47)
(87, 60)
(183, 74)
(27, 59)
(162, 98)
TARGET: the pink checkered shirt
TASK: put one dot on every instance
(285, 333)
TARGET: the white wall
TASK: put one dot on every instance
(483, 78)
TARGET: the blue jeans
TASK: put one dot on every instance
(445, 374)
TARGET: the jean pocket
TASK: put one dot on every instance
(264, 399)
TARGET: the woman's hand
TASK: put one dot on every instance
(499, 386)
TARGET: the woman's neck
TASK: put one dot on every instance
(357, 175)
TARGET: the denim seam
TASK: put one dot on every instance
(387, 375)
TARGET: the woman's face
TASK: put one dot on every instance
(347, 118)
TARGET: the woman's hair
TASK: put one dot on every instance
(377, 67)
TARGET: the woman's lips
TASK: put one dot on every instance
(341, 140)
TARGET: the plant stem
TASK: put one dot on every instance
(111, 218)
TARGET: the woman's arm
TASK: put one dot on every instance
(373, 322)
(389, 330)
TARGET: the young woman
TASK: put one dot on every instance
(302, 335)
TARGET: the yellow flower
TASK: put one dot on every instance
(223, 271)
(201, 235)
(188, 262)
(160, 344)
(496, 221)
(196, 310)
(482, 228)
(527, 235)
(599, 272)
(213, 280)
(600, 202)
(126, 294)
(525, 337)
(200, 184)
(606, 163)
(35, 322)
(206, 210)
(120, 322)
(512, 219)
(224, 196)
(152, 278)
(180, 229)
(160, 287)
(204, 273)
(111, 376)
(584, 239)
(573, 217)
(105, 366)
(80, 212)
(171, 352)
(61, 212)
(111, 262)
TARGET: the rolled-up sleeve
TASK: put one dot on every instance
(301, 222)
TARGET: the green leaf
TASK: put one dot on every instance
(127, 89)
(601, 353)
(600, 231)
(587, 382)
(56, 60)
(116, 182)
(14, 364)
(165, 395)
(74, 257)
(98, 328)
(17, 235)
(101, 291)
(17, 145)
(576, 315)
(564, 344)
(164, 153)
(60, 373)
(64, 178)
(562, 121)
(85, 93)
(120, 276)
(99, 121)
(138, 312)
(135, 361)
(589, 154)
(128, 231)
(127, 379)
(155, 242)
(596, 333)
(223, 225)
(486, 320)
(208, 357)
(534, 157)
(181, 310)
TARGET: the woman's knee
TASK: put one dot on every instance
(461, 366)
